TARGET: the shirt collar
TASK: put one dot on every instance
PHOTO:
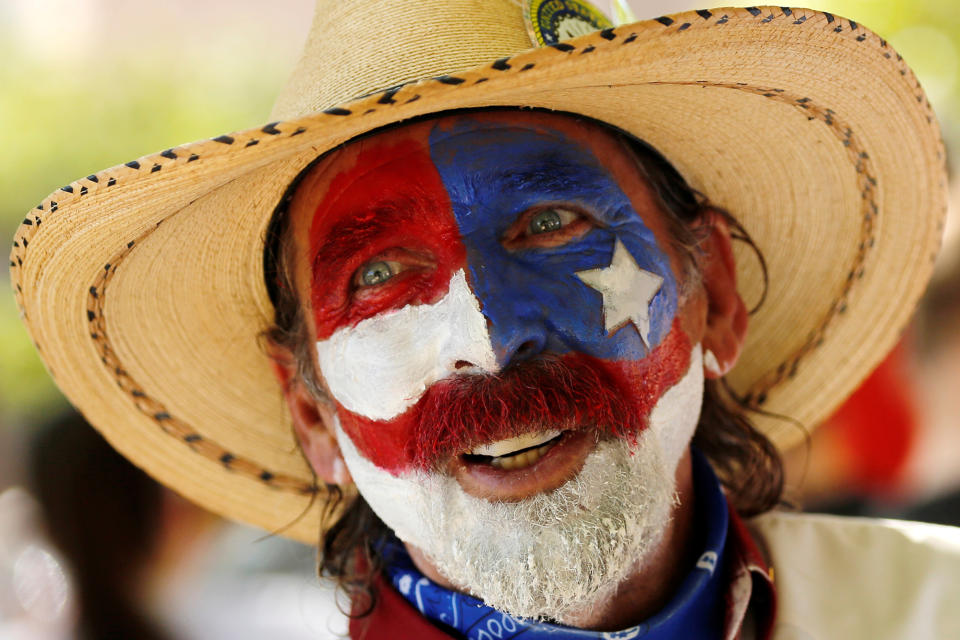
(751, 599)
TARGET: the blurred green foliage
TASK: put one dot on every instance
(926, 33)
(65, 118)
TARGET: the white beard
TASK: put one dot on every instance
(554, 554)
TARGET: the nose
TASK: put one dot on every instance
(518, 301)
(519, 342)
(517, 319)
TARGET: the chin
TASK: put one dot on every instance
(554, 553)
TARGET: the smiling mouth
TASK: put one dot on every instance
(517, 468)
(515, 453)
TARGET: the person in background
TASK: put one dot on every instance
(105, 517)
(141, 562)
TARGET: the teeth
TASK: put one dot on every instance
(521, 460)
(504, 447)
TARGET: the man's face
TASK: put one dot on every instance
(503, 325)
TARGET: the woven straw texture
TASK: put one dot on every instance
(142, 285)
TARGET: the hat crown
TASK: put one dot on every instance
(357, 47)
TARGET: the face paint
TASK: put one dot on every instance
(554, 553)
(494, 174)
(480, 288)
(488, 330)
(390, 204)
(434, 337)
(569, 392)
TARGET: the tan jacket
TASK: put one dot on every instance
(851, 578)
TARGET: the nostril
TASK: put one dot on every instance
(526, 343)
(462, 364)
(526, 350)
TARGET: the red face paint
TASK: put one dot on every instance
(570, 391)
(391, 205)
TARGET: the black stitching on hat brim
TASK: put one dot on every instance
(155, 410)
(272, 129)
(229, 460)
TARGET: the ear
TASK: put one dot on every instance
(726, 314)
(312, 418)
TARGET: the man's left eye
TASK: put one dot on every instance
(544, 228)
(550, 220)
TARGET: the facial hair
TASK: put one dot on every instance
(556, 553)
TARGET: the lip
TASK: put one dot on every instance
(561, 463)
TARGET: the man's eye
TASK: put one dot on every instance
(550, 220)
(374, 273)
(546, 228)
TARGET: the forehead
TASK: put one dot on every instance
(490, 129)
(480, 141)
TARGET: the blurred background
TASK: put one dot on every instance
(87, 84)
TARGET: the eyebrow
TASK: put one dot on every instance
(360, 228)
(550, 175)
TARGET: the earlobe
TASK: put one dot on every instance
(312, 418)
(711, 365)
(726, 313)
(319, 444)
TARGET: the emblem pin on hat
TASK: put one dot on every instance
(552, 21)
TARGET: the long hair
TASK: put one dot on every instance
(747, 463)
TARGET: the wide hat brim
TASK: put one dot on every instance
(142, 285)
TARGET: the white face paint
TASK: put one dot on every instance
(674, 418)
(381, 367)
(627, 291)
(554, 553)
(710, 363)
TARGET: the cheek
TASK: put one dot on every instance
(675, 417)
(650, 377)
(378, 370)
(376, 210)
(661, 393)
(668, 391)
(394, 499)
(388, 445)
(649, 380)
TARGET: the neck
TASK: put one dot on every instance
(648, 587)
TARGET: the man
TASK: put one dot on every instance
(497, 322)
(556, 419)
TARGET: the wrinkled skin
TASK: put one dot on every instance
(381, 227)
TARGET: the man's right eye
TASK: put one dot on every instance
(378, 272)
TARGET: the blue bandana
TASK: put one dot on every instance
(696, 610)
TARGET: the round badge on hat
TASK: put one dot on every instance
(552, 21)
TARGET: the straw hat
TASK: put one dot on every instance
(142, 285)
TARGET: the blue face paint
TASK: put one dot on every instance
(493, 173)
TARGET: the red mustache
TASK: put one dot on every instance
(571, 391)
(568, 392)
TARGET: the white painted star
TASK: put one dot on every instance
(627, 292)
